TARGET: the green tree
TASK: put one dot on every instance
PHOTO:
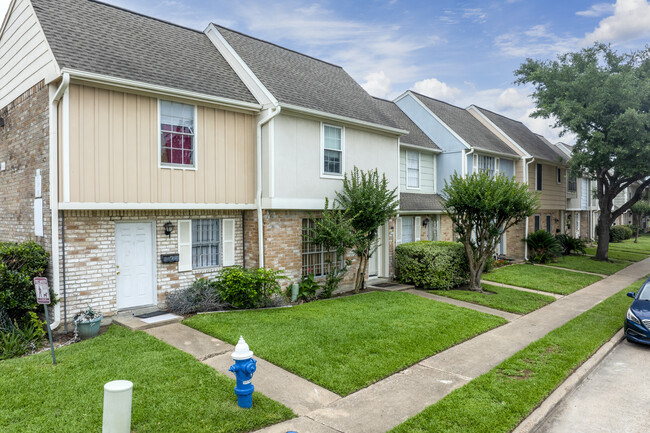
(639, 210)
(604, 98)
(482, 207)
(367, 202)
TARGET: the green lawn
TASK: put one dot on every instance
(499, 400)
(643, 246)
(620, 255)
(588, 264)
(172, 391)
(501, 298)
(541, 278)
(347, 343)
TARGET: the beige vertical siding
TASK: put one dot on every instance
(553, 194)
(114, 153)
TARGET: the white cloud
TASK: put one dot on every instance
(597, 10)
(631, 20)
(537, 40)
(377, 84)
(436, 89)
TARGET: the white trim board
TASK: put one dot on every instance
(155, 206)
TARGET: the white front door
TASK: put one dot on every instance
(373, 267)
(577, 224)
(134, 264)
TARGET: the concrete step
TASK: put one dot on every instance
(129, 320)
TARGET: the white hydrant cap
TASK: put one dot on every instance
(241, 350)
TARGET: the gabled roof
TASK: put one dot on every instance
(94, 37)
(420, 202)
(300, 80)
(415, 136)
(561, 154)
(524, 137)
(465, 125)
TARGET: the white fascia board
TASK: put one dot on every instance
(402, 96)
(421, 212)
(474, 109)
(153, 206)
(252, 82)
(344, 119)
(496, 153)
(439, 120)
(12, 3)
(419, 148)
(125, 84)
(294, 203)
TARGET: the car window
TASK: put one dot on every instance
(644, 292)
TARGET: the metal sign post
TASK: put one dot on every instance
(43, 297)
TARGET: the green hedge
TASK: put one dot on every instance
(432, 265)
(620, 233)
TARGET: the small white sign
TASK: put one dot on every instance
(42, 290)
(38, 181)
(38, 217)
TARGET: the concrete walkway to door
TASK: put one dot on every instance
(390, 401)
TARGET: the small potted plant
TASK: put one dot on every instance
(87, 323)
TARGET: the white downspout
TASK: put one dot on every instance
(54, 190)
(258, 195)
(526, 164)
(467, 173)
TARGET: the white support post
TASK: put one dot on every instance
(118, 395)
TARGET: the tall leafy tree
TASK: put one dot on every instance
(639, 210)
(367, 202)
(604, 98)
(482, 207)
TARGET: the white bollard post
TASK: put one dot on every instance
(117, 406)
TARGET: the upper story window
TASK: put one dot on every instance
(487, 164)
(177, 134)
(572, 185)
(559, 175)
(538, 177)
(412, 169)
(332, 150)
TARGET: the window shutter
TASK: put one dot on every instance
(184, 245)
(417, 228)
(398, 230)
(228, 242)
(475, 164)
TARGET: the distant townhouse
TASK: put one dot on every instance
(467, 146)
(541, 166)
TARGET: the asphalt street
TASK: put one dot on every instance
(613, 398)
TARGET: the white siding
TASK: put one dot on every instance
(25, 56)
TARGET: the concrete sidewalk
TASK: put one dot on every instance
(387, 403)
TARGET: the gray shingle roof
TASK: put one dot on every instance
(94, 37)
(561, 155)
(297, 79)
(465, 125)
(523, 136)
(415, 136)
(410, 202)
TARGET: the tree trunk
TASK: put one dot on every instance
(603, 237)
(360, 273)
(636, 231)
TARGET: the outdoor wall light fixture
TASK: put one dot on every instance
(169, 228)
(425, 222)
(2, 122)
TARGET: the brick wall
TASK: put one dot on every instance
(90, 255)
(447, 229)
(24, 148)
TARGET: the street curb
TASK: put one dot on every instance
(539, 416)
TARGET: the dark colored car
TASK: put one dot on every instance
(637, 318)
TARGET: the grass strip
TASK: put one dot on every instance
(501, 298)
(172, 391)
(541, 278)
(348, 343)
(588, 264)
(500, 399)
(630, 256)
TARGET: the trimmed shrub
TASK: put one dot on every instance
(243, 288)
(620, 233)
(19, 264)
(570, 244)
(432, 264)
(202, 295)
(543, 247)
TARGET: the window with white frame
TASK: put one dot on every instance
(408, 232)
(412, 169)
(487, 164)
(572, 185)
(177, 134)
(332, 150)
(559, 175)
(315, 259)
(206, 243)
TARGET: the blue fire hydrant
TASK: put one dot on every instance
(244, 368)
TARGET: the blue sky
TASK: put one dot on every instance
(462, 52)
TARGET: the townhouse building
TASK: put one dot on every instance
(142, 154)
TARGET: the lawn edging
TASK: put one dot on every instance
(551, 403)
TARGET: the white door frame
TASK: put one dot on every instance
(154, 267)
